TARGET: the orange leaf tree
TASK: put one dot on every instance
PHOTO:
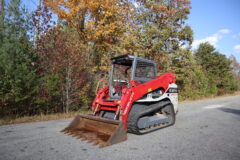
(98, 23)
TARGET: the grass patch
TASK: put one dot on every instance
(210, 97)
(37, 118)
(42, 117)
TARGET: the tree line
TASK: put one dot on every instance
(55, 58)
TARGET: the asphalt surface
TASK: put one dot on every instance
(204, 130)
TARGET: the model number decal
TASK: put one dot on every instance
(172, 90)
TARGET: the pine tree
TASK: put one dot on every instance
(217, 68)
(18, 80)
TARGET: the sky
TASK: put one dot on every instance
(213, 21)
(218, 22)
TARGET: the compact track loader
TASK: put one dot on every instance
(136, 101)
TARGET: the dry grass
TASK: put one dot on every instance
(37, 118)
(211, 97)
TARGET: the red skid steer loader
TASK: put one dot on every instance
(136, 101)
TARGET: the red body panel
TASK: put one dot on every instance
(130, 95)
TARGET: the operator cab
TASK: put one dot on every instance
(126, 68)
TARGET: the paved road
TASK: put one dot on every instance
(204, 130)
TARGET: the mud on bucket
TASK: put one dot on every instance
(96, 130)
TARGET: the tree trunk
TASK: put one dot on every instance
(2, 7)
(68, 87)
(36, 36)
(2, 14)
(90, 50)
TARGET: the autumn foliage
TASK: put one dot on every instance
(92, 19)
(55, 61)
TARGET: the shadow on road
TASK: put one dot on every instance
(230, 110)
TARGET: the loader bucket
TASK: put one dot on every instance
(96, 130)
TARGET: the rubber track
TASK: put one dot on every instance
(135, 114)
